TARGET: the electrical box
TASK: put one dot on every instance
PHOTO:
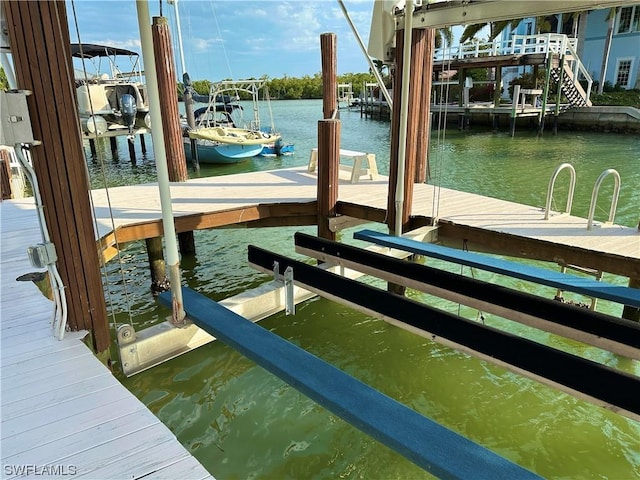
(42, 254)
(15, 124)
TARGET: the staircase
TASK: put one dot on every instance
(570, 86)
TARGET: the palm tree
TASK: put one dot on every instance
(495, 28)
(443, 37)
(611, 18)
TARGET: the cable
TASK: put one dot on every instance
(106, 187)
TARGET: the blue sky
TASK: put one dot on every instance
(235, 39)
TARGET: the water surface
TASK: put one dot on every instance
(241, 422)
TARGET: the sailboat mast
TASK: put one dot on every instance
(180, 46)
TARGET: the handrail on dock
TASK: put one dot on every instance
(552, 182)
(614, 199)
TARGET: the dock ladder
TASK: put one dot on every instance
(594, 193)
(592, 207)
(552, 181)
(614, 199)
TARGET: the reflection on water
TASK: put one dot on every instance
(242, 422)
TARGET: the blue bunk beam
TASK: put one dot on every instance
(617, 335)
(436, 449)
(602, 385)
(585, 286)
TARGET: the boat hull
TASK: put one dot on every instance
(223, 153)
(274, 150)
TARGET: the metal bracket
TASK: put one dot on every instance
(15, 120)
(290, 308)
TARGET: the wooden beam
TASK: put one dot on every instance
(438, 450)
(39, 36)
(465, 12)
(506, 244)
(604, 386)
(603, 331)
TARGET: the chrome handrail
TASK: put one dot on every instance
(552, 182)
(614, 199)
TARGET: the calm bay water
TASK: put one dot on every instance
(242, 422)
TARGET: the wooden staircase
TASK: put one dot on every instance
(570, 86)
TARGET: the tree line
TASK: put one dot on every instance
(294, 88)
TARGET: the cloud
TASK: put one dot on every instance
(204, 44)
(129, 43)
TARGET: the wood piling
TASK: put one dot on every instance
(165, 69)
(159, 281)
(328, 138)
(417, 122)
(328, 47)
(113, 142)
(59, 162)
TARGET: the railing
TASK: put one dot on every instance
(516, 45)
(547, 43)
(572, 185)
(614, 199)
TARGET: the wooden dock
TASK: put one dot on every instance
(62, 408)
(287, 197)
(63, 412)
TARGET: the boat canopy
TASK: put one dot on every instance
(91, 50)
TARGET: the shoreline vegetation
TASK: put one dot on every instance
(309, 87)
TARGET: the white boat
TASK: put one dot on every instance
(110, 101)
(221, 133)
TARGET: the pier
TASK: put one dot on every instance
(64, 414)
(59, 416)
(555, 53)
(288, 196)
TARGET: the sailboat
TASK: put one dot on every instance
(221, 133)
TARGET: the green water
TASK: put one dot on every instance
(241, 422)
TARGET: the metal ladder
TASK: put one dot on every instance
(594, 193)
(592, 207)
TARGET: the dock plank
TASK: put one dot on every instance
(57, 401)
(216, 194)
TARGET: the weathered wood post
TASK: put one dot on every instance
(556, 109)
(497, 94)
(328, 157)
(165, 69)
(59, 162)
(545, 95)
(132, 150)
(159, 281)
(113, 141)
(92, 147)
(417, 123)
(328, 138)
(424, 111)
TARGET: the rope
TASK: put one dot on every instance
(93, 209)
(442, 119)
